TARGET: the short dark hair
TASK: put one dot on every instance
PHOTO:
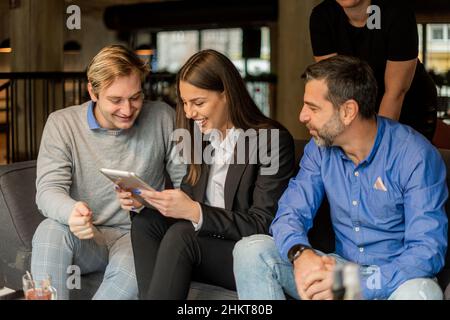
(347, 78)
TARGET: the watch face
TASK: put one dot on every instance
(295, 252)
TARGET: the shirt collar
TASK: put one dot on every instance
(93, 123)
(378, 138)
(226, 145)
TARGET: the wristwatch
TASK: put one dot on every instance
(296, 251)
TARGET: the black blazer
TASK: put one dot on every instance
(251, 199)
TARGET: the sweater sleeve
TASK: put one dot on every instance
(54, 174)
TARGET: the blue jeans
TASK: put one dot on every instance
(261, 274)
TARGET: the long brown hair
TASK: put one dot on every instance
(211, 70)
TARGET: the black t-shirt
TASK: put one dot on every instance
(396, 40)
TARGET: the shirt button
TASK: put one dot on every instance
(354, 202)
(357, 229)
(356, 174)
(361, 249)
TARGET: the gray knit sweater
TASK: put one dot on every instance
(71, 154)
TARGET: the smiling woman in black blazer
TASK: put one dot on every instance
(228, 195)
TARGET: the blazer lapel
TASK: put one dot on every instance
(199, 190)
(235, 172)
(232, 180)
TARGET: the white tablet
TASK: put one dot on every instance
(128, 181)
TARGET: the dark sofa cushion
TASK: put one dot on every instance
(17, 199)
(18, 220)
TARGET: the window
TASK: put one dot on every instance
(175, 47)
(226, 41)
(437, 33)
(437, 62)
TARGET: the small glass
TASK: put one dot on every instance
(38, 287)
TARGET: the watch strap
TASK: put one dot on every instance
(296, 251)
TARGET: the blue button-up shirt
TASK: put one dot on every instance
(386, 211)
(92, 122)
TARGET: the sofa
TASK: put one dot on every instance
(19, 217)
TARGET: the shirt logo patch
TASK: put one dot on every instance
(379, 185)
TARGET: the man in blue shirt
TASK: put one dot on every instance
(386, 187)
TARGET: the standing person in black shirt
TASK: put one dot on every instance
(405, 91)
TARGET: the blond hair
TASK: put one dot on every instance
(112, 62)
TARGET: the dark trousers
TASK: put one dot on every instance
(168, 254)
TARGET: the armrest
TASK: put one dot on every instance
(19, 218)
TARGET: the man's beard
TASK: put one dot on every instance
(328, 133)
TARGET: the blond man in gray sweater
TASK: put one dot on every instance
(86, 229)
